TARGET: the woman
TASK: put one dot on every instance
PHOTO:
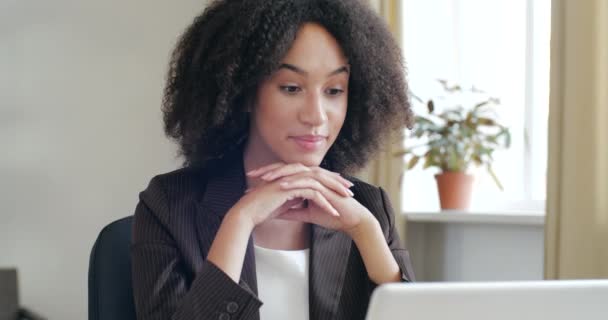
(273, 104)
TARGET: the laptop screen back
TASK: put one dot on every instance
(555, 300)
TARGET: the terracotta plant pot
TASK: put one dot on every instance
(454, 190)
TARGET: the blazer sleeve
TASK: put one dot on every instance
(162, 286)
(401, 255)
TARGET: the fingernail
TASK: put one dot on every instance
(267, 176)
(335, 213)
(351, 193)
(251, 172)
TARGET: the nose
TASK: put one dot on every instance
(313, 113)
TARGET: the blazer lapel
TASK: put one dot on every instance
(329, 254)
(225, 186)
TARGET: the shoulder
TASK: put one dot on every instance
(176, 179)
(176, 188)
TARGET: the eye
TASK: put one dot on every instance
(334, 92)
(290, 89)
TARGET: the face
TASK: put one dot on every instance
(300, 109)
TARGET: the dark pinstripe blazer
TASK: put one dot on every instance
(175, 223)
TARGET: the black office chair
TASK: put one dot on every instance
(110, 289)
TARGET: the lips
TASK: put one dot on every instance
(310, 138)
(309, 142)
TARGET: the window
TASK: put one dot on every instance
(501, 47)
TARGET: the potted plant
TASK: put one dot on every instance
(454, 139)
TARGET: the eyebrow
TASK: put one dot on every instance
(299, 70)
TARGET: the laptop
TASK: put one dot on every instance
(534, 300)
(9, 303)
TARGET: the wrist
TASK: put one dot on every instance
(367, 224)
(239, 218)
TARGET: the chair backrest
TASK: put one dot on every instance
(110, 288)
(9, 298)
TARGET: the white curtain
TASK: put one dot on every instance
(385, 169)
(576, 241)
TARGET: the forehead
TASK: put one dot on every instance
(315, 49)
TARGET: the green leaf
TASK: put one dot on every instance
(483, 103)
(444, 84)
(420, 120)
(430, 106)
(430, 159)
(477, 160)
(413, 161)
(401, 153)
(491, 172)
(507, 135)
(459, 137)
(415, 97)
(486, 122)
(447, 88)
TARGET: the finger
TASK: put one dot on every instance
(325, 185)
(317, 197)
(335, 183)
(264, 169)
(329, 179)
(335, 175)
(285, 170)
(347, 182)
(343, 180)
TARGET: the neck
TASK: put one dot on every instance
(282, 235)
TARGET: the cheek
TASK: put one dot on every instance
(271, 111)
(338, 114)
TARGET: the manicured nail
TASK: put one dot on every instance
(350, 192)
(267, 176)
(335, 213)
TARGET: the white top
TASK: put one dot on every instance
(282, 283)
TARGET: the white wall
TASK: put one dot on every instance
(80, 132)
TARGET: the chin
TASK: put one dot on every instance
(309, 160)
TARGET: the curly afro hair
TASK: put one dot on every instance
(234, 45)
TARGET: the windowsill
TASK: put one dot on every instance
(531, 218)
